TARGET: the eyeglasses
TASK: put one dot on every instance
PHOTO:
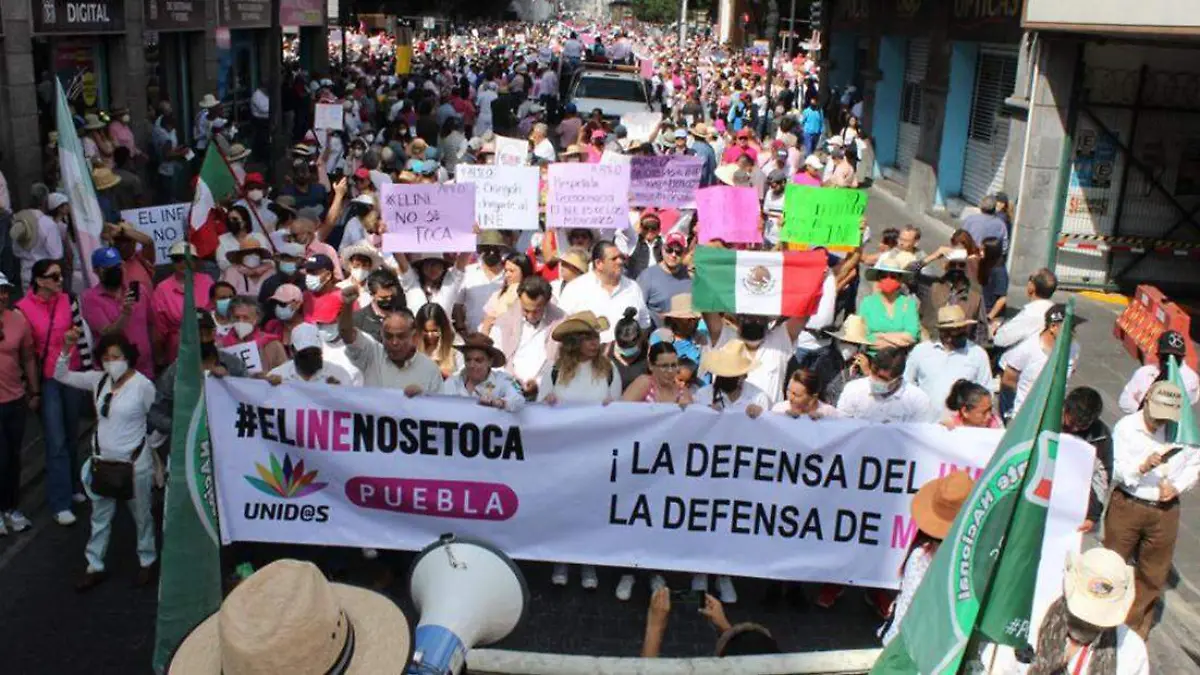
(106, 404)
(673, 250)
(53, 277)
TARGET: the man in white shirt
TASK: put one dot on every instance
(883, 396)
(1022, 364)
(770, 348)
(1170, 345)
(1143, 514)
(525, 334)
(481, 376)
(935, 365)
(395, 364)
(1029, 321)
(308, 362)
(480, 281)
(606, 290)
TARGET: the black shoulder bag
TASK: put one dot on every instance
(112, 478)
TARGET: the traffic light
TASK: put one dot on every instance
(745, 19)
(814, 12)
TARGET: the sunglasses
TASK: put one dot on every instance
(53, 277)
(673, 250)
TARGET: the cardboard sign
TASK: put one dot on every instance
(511, 152)
(248, 354)
(641, 124)
(428, 218)
(665, 181)
(728, 213)
(165, 225)
(506, 198)
(823, 216)
(328, 116)
(593, 196)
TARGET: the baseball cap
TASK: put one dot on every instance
(676, 239)
(1172, 343)
(814, 162)
(681, 133)
(318, 262)
(1164, 401)
(1058, 314)
(254, 178)
(55, 200)
(5, 282)
(306, 336)
(1098, 587)
(362, 172)
(777, 176)
(290, 249)
(103, 258)
(286, 294)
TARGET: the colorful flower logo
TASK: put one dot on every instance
(288, 480)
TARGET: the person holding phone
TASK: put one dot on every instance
(120, 307)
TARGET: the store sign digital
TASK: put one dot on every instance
(65, 16)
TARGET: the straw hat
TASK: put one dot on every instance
(1098, 587)
(572, 150)
(953, 316)
(103, 178)
(700, 130)
(238, 152)
(895, 262)
(483, 342)
(24, 228)
(208, 101)
(681, 308)
(364, 250)
(938, 501)
(732, 360)
(288, 618)
(575, 258)
(490, 238)
(581, 323)
(91, 122)
(250, 245)
(854, 331)
(725, 173)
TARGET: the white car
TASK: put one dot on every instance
(615, 90)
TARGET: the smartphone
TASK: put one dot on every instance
(1166, 457)
(135, 289)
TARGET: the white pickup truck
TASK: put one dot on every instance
(615, 90)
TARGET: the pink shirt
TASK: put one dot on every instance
(122, 135)
(17, 339)
(803, 178)
(102, 309)
(243, 284)
(167, 310)
(49, 320)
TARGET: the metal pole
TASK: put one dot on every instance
(683, 5)
(791, 44)
(773, 35)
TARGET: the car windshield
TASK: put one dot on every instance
(610, 88)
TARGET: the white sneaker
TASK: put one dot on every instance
(700, 582)
(559, 577)
(625, 587)
(588, 578)
(725, 591)
(64, 518)
(656, 582)
(18, 521)
(370, 553)
(79, 498)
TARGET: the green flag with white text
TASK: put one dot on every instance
(190, 585)
(981, 582)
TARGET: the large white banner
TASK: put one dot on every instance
(628, 485)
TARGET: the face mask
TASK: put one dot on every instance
(288, 268)
(388, 304)
(958, 341)
(753, 332)
(359, 273)
(628, 352)
(284, 313)
(251, 261)
(223, 306)
(726, 385)
(313, 282)
(888, 285)
(255, 195)
(956, 275)
(491, 258)
(884, 388)
(111, 277)
(308, 362)
(208, 351)
(116, 369)
(243, 329)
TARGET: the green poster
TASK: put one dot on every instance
(823, 216)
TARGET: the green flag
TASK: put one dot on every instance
(190, 586)
(1185, 431)
(981, 582)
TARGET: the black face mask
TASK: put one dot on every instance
(208, 351)
(111, 277)
(491, 258)
(726, 385)
(956, 276)
(753, 331)
(958, 341)
(391, 304)
(309, 362)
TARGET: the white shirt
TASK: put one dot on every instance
(123, 430)
(770, 360)
(334, 354)
(585, 293)
(476, 288)
(1030, 321)
(445, 296)
(585, 387)
(529, 361)
(287, 373)
(751, 395)
(1135, 390)
(380, 371)
(935, 368)
(572, 49)
(1028, 359)
(1133, 443)
(498, 384)
(906, 404)
(260, 105)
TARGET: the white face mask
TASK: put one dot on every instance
(116, 369)
(284, 313)
(255, 195)
(359, 273)
(243, 328)
(313, 282)
(252, 261)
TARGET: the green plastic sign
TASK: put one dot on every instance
(823, 216)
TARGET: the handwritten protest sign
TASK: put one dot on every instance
(823, 216)
(728, 213)
(506, 198)
(594, 196)
(429, 218)
(511, 152)
(641, 124)
(248, 354)
(328, 116)
(165, 224)
(665, 181)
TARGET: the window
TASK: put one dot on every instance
(611, 88)
(910, 103)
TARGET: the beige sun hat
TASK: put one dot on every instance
(895, 262)
(103, 178)
(938, 501)
(1098, 587)
(732, 360)
(237, 152)
(24, 228)
(681, 308)
(572, 150)
(854, 331)
(208, 101)
(953, 316)
(287, 618)
(91, 122)
(575, 258)
(249, 245)
(365, 250)
(581, 323)
(726, 172)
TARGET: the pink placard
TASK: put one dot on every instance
(647, 69)
(728, 213)
(592, 196)
(429, 218)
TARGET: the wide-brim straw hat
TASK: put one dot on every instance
(953, 316)
(681, 308)
(576, 259)
(362, 249)
(726, 172)
(238, 152)
(732, 360)
(581, 323)
(24, 228)
(937, 502)
(92, 122)
(572, 150)
(208, 101)
(853, 331)
(894, 262)
(103, 178)
(287, 618)
(700, 130)
(250, 245)
(483, 342)
(1098, 587)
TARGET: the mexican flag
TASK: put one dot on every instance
(77, 184)
(216, 184)
(1185, 431)
(770, 283)
(980, 586)
(190, 583)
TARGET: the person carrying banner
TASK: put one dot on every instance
(1081, 416)
(525, 334)
(482, 377)
(391, 363)
(308, 363)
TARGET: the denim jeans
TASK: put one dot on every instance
(12, 434)
(103, 510)
(61, 408)
(811, 141)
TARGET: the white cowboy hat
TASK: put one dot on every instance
(894, 262)
(238, 152)
(91, 122)
(208, 101)
(365, 250)
(287, 618)
(1098, 587)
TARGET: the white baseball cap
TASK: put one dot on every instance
(1098, 587)
(306, 336)
(814, 162)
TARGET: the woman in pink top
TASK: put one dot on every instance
(18, 395)
(249, 266)
(48, 311)
(166, 307)
(970, 405)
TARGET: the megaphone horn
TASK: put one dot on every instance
(469, 593)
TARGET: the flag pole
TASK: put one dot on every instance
(242, 194)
